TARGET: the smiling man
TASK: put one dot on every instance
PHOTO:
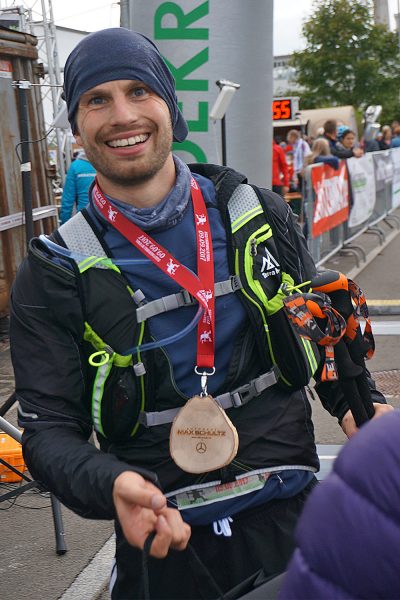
(145, 318)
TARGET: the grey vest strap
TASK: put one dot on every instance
(234, 399)
(80, 237)
(183, 298)
(243, 205)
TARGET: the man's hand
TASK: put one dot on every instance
(141, 509)
(285, 189)
(348, 423)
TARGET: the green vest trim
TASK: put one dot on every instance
(264, 284)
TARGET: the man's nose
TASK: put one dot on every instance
(123, 111)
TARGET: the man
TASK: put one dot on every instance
(300, 151)
(97, 342)
(330, 134)
(76, 189)
(280, 170)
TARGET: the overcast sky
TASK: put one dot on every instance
(90, 15)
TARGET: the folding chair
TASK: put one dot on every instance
(12, 431)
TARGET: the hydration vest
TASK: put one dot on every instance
(256, 253)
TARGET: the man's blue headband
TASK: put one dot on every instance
(119, 53)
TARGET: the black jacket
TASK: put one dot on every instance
(53, 380)
(338, 151)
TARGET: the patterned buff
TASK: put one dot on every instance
(119, 53)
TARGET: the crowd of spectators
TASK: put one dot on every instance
(334, 141)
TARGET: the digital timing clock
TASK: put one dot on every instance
(285, 109)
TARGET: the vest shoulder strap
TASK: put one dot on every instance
(242, 206)
(80, 237)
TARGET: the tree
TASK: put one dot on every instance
(348, 59)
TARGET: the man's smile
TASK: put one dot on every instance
(128, 141)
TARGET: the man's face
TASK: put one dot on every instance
(126, 131)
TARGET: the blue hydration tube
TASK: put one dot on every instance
(60, 250)
(169, 340)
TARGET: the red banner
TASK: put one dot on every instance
(331, 206)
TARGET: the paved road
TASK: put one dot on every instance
(29, 566)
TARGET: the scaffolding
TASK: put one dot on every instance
(37, 18)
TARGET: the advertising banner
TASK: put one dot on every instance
(362, 181)
(395, 153)
(383, 169)
(331, 206)
(204, 42)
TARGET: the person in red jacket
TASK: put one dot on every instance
(280, 170)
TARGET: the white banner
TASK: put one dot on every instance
(362, 181)
(396, 177)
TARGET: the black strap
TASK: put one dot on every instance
(145, 568)
(145, 565)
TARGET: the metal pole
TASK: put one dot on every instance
(125, 13)
(23, 86)
(54, 75)
(10, 429)
(223, 140)
(61, 547)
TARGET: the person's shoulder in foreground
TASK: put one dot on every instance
(348, 537)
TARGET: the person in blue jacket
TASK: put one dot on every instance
(76, 189)
(348, 537)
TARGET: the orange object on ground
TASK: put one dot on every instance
(11, 452)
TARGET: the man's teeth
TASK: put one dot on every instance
(131, 141)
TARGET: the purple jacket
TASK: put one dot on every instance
(348, 538)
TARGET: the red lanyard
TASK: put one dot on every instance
(200, 287)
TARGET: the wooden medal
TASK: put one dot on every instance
(202, 436)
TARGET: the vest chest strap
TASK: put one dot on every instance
(183, 298)
(235, 399)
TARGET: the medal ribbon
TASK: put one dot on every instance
(200, 287)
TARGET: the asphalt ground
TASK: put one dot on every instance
(29, 565)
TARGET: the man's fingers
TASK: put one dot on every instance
(182, 541)
(158, 501)
(132, 488)
(162, 540)
(170, 533)
(180, 530)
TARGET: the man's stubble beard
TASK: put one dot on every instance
(132, 173)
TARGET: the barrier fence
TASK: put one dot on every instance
(340, 205)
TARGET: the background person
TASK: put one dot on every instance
(349, 534)
(320, 153)
(79, 178)
(123, 110)
(346, 139)
(300, 151)
(396, 137)
(330, 134)
(280, 170)
(385, 143)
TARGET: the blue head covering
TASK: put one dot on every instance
(119, 53)
(341, 130)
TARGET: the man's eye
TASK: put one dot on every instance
(138, 92)
(96, 100)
